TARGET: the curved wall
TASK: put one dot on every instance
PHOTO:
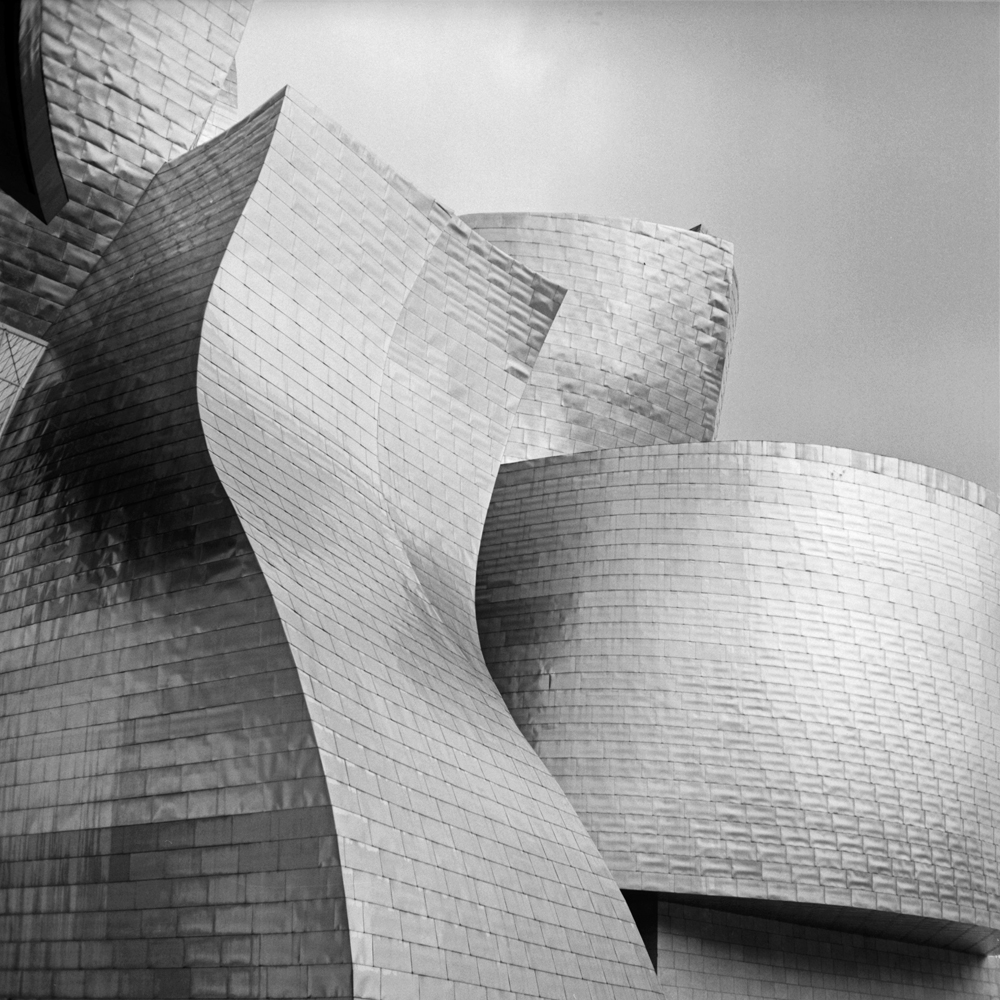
(363, 354)
(251, 746)
(637, 351)
(164, 823)
(762, 672)
(29, 169)
(129, 87)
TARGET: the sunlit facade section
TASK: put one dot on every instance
(765, 675)
(637, 352)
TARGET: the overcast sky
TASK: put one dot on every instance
(848, 150)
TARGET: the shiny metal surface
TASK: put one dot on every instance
(29, 169)
(129, 87)
(166, 828)
(362, 356)
(762, 672)
(253, 748)
(637, 352)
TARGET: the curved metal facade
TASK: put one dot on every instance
(361, 465)
(252, 746)
(164, 819)
(129, 87)
(762, 672)
(29, 169)
(637, 351)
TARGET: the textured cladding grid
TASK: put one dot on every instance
(801, 652)
(432, 382)
(166, 828)
(130, 84)
(466, 871)
(710, 955)
(636, 354)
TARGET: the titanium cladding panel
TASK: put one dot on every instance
(636, 354)
(761, 671)
(363, 354)
(165, 827)
(130, 85)
(253, 748)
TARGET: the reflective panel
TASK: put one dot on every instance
(129, 86)
(762, 673)
(253, 748)
(356, 396)
(637, 352)
(166, 829)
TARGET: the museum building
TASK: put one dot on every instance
(380, 617)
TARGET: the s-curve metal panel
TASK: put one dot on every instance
(363, 354)
(762, 672)
(637, 352)
(165, 829)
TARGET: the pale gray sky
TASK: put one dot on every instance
(848, 150)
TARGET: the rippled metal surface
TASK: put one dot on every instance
(252, 746)
(637, 352)
(129, 87)
(363, 354)
(763, 672)
(166, 828)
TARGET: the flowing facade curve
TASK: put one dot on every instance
(128, 87)
(256, 534)
(637, 352)
(766, 676)
(253, 748)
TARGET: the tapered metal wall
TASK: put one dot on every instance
(253, 749)
(166, 830)
(762, 672)
(129, 87)
(363, 356)
(636, 354)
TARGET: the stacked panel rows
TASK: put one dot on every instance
(762, 672)
(637, 351)
(130, 85)
(165, 825)
(363, 355)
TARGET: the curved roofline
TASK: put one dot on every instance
(515, 220)
(883, 465)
